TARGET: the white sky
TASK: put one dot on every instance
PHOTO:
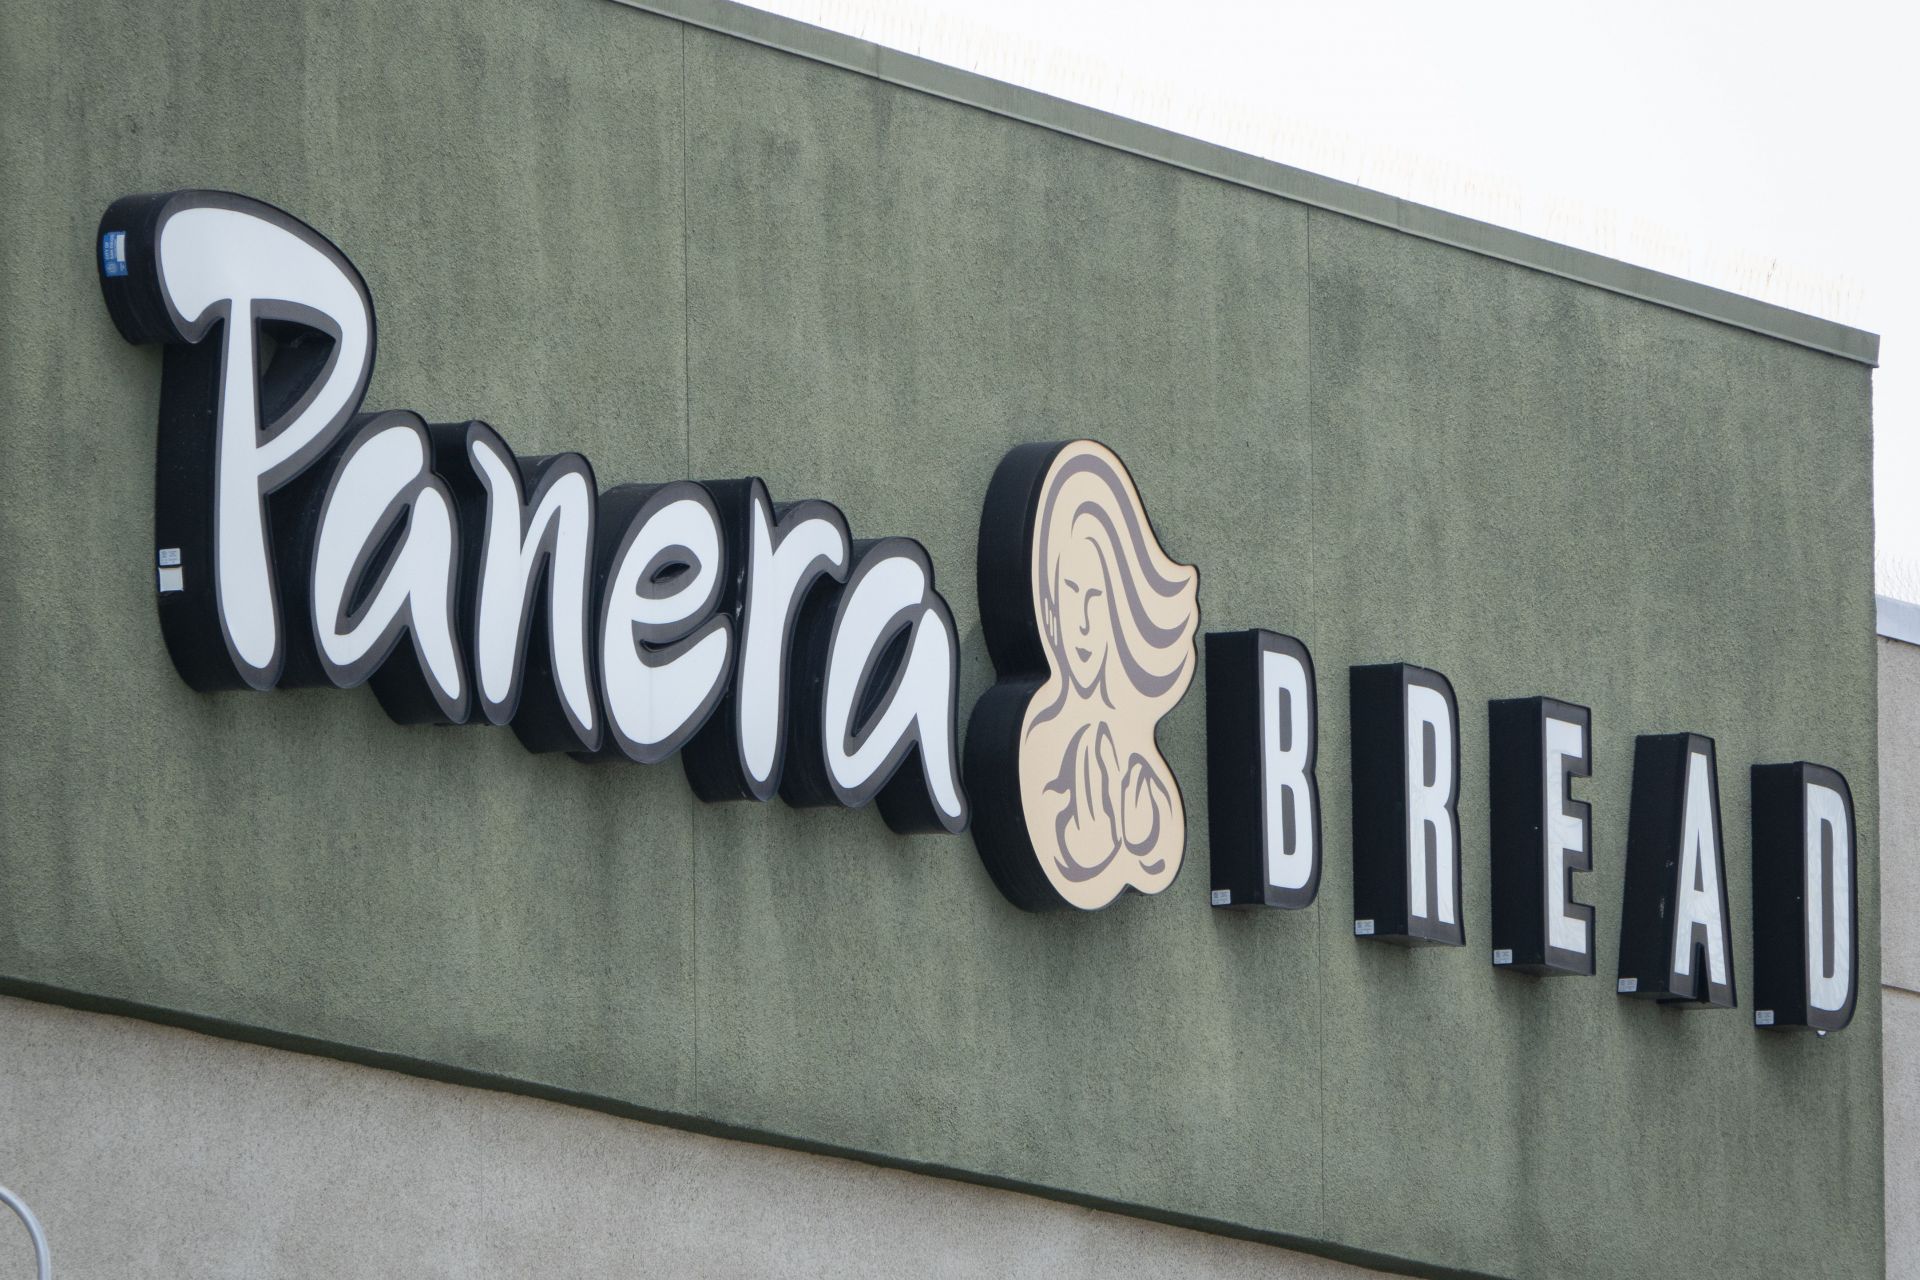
(1767, 148)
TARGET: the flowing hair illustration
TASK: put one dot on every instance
(1094, 643)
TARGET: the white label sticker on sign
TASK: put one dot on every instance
(174, 579)
(1221, 898)
(169, 556)
(1763, 1017)
(1628, 986)
(1363, 928)
(1503, 956)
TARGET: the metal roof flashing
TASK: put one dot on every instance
(1897, 619)
(1032, 107)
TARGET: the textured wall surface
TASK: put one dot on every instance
(1900, 948)
(686, 255)
(1900, 813)
(148, 1151)
(1902, 1060)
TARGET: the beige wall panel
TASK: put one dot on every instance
(1900, 814)
(1901, 1019)
(1900, 948)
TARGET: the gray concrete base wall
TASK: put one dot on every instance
(1900, 947)
(1901, 1058)
(149, 1152)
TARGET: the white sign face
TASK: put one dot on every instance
(1569, 930)
(1700, 918)
(1290, 804)
(1433, 834)
(1829, 898)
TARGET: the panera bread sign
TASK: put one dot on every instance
(305, 540)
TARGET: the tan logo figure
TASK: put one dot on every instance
(1114, 618)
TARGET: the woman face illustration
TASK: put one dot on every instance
(1086, 619)
(1118, 617)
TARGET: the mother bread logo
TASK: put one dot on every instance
(1091, 626)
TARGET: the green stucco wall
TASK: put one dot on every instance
(687, 255)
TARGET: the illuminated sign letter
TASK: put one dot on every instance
(663, 652)
(874, 717)
(1406, 786)
(1676, 943)
(373, 532)
(777, 557)
(1541, 834)
(529, 527)
(1263, 800)
(1806, 905)
(240, 416)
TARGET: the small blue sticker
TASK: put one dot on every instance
(113, 253)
